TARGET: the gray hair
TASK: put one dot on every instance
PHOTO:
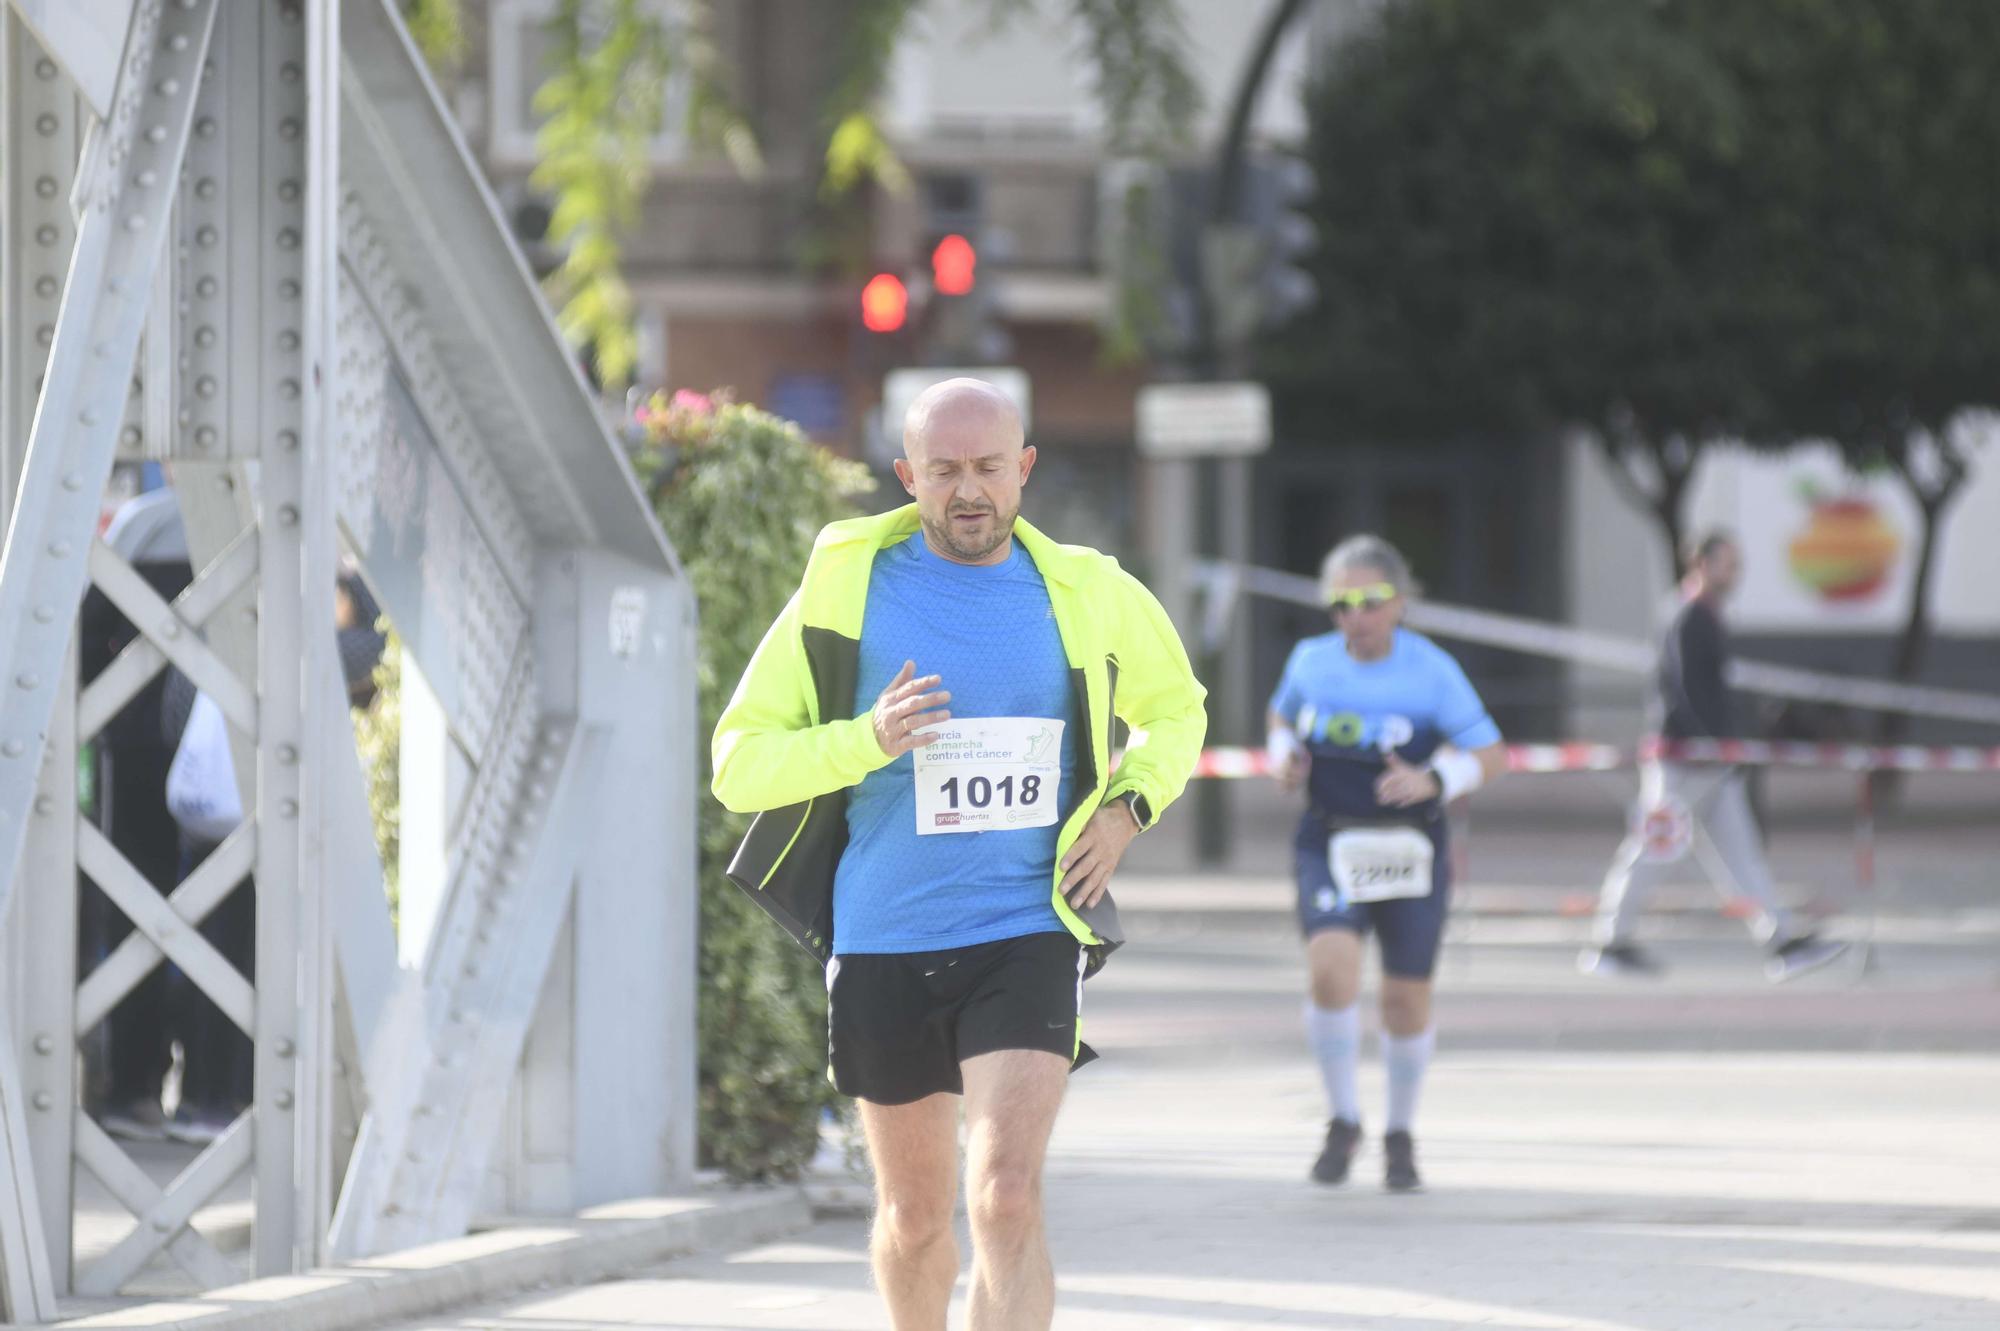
(1368, 551)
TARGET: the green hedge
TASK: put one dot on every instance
(742, 493)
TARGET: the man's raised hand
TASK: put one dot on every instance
(905, 705)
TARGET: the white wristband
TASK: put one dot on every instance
(1458, 773)
(1279, 746)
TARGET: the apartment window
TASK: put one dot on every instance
(518, 51)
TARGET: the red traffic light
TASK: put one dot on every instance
(954, 266)
(885, 303)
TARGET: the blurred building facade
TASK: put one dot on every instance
(1001, 133)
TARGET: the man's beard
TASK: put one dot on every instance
(947, 539)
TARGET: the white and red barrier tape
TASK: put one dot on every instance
(1230, 763)
(1610, 651)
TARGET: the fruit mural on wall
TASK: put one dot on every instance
(1847, 547)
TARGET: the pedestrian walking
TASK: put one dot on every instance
(1698, 809)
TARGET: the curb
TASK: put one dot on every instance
(601, 1242)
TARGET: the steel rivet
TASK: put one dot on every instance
(288, 128)
(206, 237)
(204, 188)
(156, 135)
(286, 1049)
(46, 125)
(288, 808)
(160, 1226)
(136, 222)
(288, 754)
(46, 234)
(178, 42)
(287, 514)
(45, 186)
(43, 1102)
(170, 629)
(13, 748)
(288, 238)
(45, 614)
(45, 335)
(290, 71)
(45, 805)
(44, 1045)
(288, 389)
(168, 87)
(45, 69)
(73, 481)
(46, 287)
(204, 336)
(205, 386)
(205, 437)
(87, 416)
(283, 1099)
(129, 436)
(205, 127)
(25, 680)
(289, 289)
(288, 341)
(148, 179)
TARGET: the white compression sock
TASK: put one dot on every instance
(1405, 1058)
(1335, 1036)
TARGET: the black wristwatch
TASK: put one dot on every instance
(1135, 802)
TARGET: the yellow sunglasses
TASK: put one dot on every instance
(1372, 597)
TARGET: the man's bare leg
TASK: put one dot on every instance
(914, 1148)
(1011, 1098)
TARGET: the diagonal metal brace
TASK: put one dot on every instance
(126, 185)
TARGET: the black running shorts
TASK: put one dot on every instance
(900, 1023)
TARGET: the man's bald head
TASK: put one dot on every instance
(958, 406)
(964, 461)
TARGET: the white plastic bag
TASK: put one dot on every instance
(201, 781)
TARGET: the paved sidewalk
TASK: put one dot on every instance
(1600, 1156)
(1626, 1193)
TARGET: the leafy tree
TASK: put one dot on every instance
(1529, 218)
(1881, 135)
(743, 493)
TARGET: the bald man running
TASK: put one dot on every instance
(925, 737)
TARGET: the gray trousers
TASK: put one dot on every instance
(1698, 809)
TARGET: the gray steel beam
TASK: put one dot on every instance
(126, 188)
(85, 37)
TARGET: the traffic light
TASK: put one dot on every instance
(1251, 265)
(885, 304)
(954, 266)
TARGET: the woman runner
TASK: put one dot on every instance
(1383, 730)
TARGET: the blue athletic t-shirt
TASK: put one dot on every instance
(1348, 712)
(990, 632)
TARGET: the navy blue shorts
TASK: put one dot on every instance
(1410, 929)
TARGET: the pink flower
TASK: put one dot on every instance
(686, 399)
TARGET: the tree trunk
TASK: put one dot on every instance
(1914, 640)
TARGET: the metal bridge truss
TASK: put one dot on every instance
(244, 240)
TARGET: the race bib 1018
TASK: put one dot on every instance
(989, 774)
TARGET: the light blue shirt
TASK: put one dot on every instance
(991, 633)
(1349, 712)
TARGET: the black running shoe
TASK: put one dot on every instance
(1342, 1137)
(1400, 1163)
(1620, 959)
(1796, 956)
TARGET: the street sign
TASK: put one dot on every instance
(1203, 420)
(901, 387)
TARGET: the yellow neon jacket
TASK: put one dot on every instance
(788, 746)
